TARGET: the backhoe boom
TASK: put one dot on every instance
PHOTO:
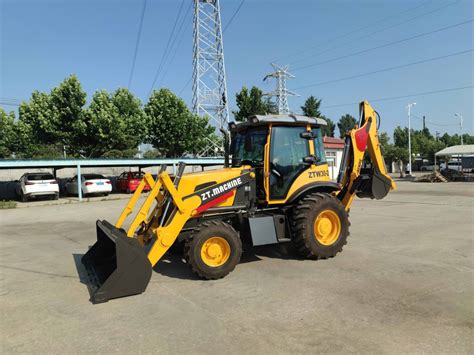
(372, 182)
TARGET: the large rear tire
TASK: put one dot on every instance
(213, 250)
(320, 226)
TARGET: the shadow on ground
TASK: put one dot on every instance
(173, 264)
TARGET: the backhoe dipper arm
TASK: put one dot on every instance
(373, 182)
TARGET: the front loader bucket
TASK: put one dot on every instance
(116, 265)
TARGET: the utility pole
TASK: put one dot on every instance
(460, 123)
(437, 136)
(424, 123)
(281, 93)
(409, 136)
(209, 79)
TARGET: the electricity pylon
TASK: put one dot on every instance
(281, 93)
(209, 80)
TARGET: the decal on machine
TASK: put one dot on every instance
(220, 189)
(315, 174)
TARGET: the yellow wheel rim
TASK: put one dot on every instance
(327, 227)
(215, 251)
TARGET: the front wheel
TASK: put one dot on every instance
(320, 226)
(213, 250)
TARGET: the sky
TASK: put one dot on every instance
(42, 42)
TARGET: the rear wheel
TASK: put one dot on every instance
(320, 226)
(213, 250)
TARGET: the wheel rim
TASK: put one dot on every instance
(327, 227)
(215, 251)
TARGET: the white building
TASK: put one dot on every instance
(333, 148)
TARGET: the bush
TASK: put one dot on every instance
(151, 154)
(129, 153)
(7, 204)
(114, 153)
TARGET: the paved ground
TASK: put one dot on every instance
(404, 283)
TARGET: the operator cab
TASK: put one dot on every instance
(290, 144)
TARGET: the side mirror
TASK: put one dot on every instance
(307, 135)
(312, 159)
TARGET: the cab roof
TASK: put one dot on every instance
(289, 119)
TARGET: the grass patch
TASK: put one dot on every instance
(7, 204)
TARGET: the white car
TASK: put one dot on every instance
(37, 184)
(453, 165)
(90, 184)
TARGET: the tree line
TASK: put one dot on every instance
(423, 143)
(113, 125)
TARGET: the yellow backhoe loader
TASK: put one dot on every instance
(275, 187)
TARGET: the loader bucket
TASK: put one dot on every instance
(116, 265)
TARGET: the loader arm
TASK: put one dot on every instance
(373, 182)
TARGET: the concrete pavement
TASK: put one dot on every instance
(403, 283)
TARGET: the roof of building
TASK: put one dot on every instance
(457, 150)
(333, 142)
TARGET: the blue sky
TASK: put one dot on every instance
(42, 42)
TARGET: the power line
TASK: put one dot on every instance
(384, 70)
(166, 48)
(383, 45)
(376, 32)
(137, 44)
(177, 43)
(348, 34)
(434, 123)
(403, 96)
(10, 102)
(233, 16)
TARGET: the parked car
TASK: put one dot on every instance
(90, 184)
(452, 165)
(428, 167)
(37, 184)
(128, 181)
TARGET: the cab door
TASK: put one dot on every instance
(286, 160)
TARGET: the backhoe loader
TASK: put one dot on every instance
(274, 187)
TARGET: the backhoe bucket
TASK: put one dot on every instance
(116, 265)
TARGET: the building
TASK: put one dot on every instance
(334, 148)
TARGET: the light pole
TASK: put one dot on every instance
(409, 136)
(460, 117)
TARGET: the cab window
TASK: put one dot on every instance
(249, 146)
(319, 145)
(288, 149)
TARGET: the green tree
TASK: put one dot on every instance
(311, 107)
(56, 118)
(114, 122)
(251, 103)
(330, 128)
(42, 117)
(346, 123)
(271, 107)
(174, 130)
(7, 136)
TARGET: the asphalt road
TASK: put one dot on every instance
(404, 283)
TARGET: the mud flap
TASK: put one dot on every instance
(116, 265)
